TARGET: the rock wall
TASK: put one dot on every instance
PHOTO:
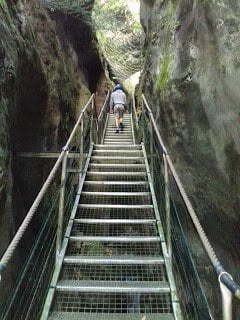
(191, 80)
(44, 80)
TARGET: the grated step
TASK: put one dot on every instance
(119, 198)
(117, 159)
(110, 153)
(109, 206)
(112, 316)
(113, 304)
(115, 239)
(115, 212)
(116, 167)
(116, 186)
(116, 231)
(132, 146)
(114, 248)
(114, 272)
(113, 286)
(119, 175)
(114, 260)
(115, 221)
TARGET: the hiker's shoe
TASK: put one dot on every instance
(117, 131)
(121, 126)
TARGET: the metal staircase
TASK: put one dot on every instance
(103, 245)
(115, 261)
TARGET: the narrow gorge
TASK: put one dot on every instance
(184, 56)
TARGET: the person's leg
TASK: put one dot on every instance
(117, 121)
(116, 112)
(121, 117)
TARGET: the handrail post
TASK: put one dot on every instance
(167, 207)
(91, 128)
(81, 145)
(144, 115)
(227, 298)
(61, 204)
(151, 153)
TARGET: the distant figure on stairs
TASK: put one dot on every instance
(118, 103)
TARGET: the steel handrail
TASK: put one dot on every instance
(135, 110)
(224, 277)
(21, 230)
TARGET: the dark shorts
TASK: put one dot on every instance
(119, 110)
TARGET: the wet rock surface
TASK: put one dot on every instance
(191, 80)
(43, 85)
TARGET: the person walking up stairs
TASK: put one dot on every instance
(118, 103)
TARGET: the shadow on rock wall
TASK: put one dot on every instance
(191, 79)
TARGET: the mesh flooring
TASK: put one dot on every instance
(92, 248)
(116, 187)
(110, 199)
(91, 176)
(112, 303)
(115, 230)
(128, 168)
(110, 213)
(114, 272)
(110, 153)
(117, 159)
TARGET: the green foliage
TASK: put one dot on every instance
(119, 34)
(163, 76)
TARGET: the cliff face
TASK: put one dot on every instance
(42, 85)
(191, 80)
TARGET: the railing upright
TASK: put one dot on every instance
(92, 120)
(227, 298)
(81, 146)
(61, 205)
(167, 208)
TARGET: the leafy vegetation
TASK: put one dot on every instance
(118, 31)
(163, 76)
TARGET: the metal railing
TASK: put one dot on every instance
(27, 265)
(102, 120)
(179, 221)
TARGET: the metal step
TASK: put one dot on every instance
(130, 249)
(111, 183)
(123, 198)
(116, 206)
(122, 133)
(115, 230)
(118, 147)
(105, 316)
(116, 142)
(118, 137)
(125, 131)
(116, 159)
(95, 211)
(116, 194)
(113, 260)
(111, 176)
(115, 239)
(120, 173)
(116, 165)
(115, 221)
(113, 286)
(116, 186)
(110, 153)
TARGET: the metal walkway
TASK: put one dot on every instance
(103, 244)
(115, 262)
